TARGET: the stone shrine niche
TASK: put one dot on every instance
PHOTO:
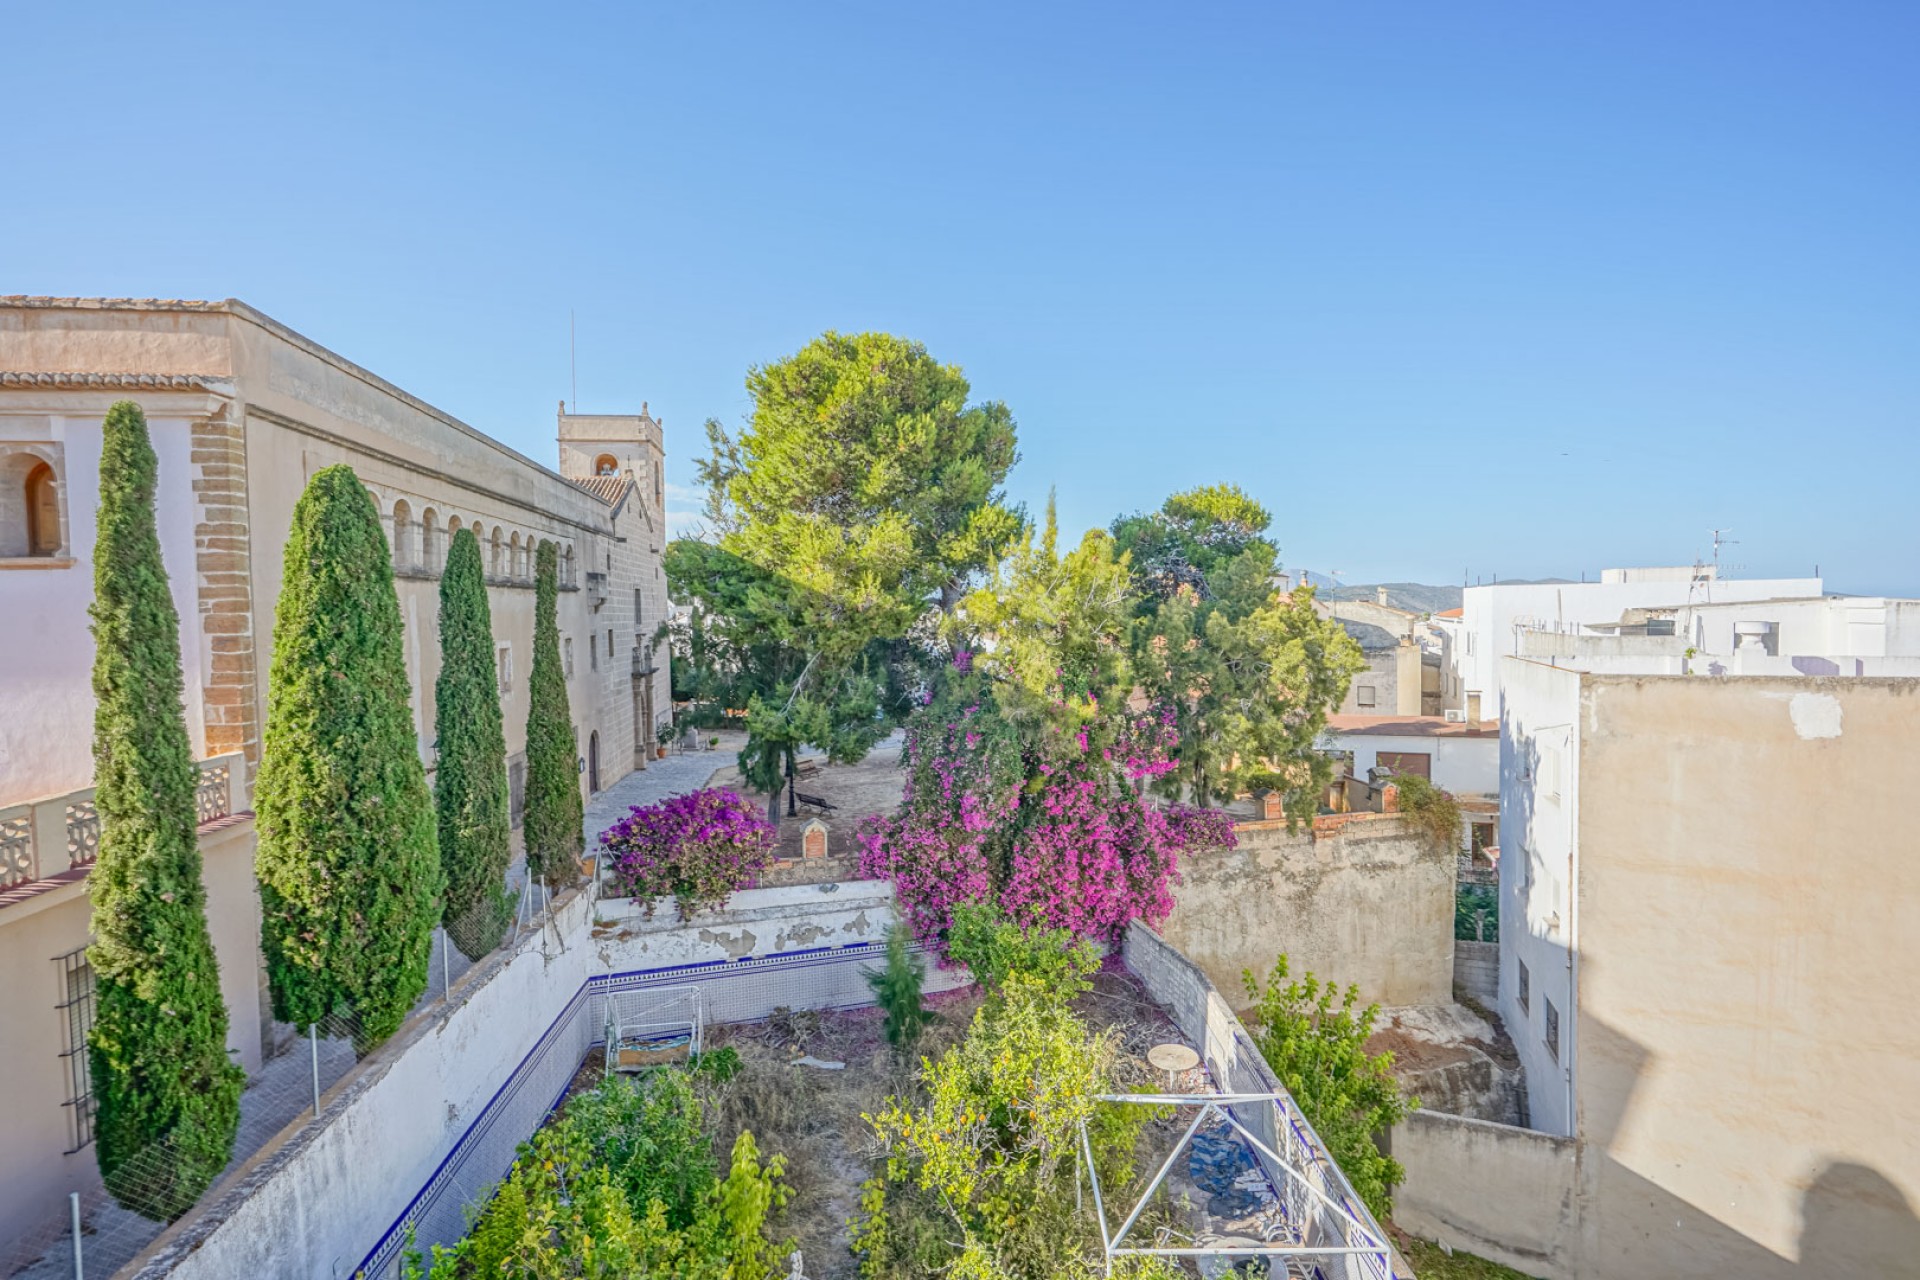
(813, 840)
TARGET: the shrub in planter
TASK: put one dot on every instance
(700, 847)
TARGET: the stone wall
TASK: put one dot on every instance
(1359, 898)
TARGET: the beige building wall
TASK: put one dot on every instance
(242, 412)
(1747, 1077)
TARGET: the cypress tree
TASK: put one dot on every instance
(348, 865)
(168, 1099)
(470, 787)
(554, 810)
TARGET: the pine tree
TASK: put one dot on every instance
(348, 866)
(554, 816)
(470, 787)
(896, 989)
(168, 1099)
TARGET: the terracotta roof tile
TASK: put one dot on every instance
(605, 488)
(133, 381)
(1412, 726)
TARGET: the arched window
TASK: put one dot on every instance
(43, 512)
(493, 558)
(430, 540)
(566, 567)
(29, 506)
(606, 465)
(402, 534)
(516, 566)
(453, 527)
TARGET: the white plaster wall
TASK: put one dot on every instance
(1462, 765)
(756, 922)
(1539, 804)
(1831, 627)
(1489, 612)
(46, 647)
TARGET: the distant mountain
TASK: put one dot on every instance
(1416, 597)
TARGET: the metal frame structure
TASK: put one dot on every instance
(1331, 1230)
(640, 1012)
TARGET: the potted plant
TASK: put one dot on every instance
(713, 743)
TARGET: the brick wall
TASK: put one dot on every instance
(223, 564)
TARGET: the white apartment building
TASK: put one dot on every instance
(1494, 617)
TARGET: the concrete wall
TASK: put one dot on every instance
(1502, 1193)
(1356, 898)
(1746, 891)
(1476, 968)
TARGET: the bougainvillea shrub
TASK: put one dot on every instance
(699, 847)
(1054, 832)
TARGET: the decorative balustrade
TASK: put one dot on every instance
(47, 837)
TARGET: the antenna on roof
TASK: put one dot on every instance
(1720, 539)
(573, 363)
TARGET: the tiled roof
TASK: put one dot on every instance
(1448, 613)
(111, 304)
(135, 381)
(1411, 726)
(605, 488)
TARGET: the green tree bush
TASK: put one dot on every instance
(348, 863)
(1251, 672)
(470, 784)
(624, 1185)
(896, 989)
(994, 948)
(1315, 1042)
(552, 823)
(168, 1099)
(1433, 811)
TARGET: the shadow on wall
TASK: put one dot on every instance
(1854, 1222)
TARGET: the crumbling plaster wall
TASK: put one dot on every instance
(1360, 898)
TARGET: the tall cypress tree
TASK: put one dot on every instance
(169, 1101)
(554, 811)
(470, 787)
(348, 864)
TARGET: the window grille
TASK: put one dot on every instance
(76, 1007)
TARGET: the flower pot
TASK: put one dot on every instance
(659, 753)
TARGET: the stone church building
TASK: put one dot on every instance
(242, 411)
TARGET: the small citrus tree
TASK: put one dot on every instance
(470, 785)
(348, 865)
(169, 1101)
(554, 811)
(1316, 1043)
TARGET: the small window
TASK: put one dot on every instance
(496, 550)
(29, 506)
(1525, 985)
(429, 539)
(76, 1008)
(639, 609)
(566, 652)
(402, 535)
(593, 653)
(1553, 1030)
(609, 643)
(1365, 696)
(606, 465)
(504, 658)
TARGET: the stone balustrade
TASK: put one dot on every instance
(46, 838)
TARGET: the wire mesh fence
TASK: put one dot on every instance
(103, 1228)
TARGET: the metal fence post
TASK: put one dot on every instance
(446, 981)
(313, 1043)
(73, 1200)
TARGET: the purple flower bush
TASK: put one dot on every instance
(1054, 832)
(700, 847)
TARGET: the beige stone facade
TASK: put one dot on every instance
(242, 412)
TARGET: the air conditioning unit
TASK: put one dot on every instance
(1456, 716)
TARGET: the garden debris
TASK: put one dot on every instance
(808, 1060)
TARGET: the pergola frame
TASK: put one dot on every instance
(1372, 1249)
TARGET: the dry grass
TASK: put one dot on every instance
(813, 1116)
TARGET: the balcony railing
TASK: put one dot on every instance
(45, 838)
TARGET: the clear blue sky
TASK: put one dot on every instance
(1519, 289)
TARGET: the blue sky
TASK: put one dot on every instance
(1497, 289)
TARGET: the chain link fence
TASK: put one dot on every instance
(103, 1229)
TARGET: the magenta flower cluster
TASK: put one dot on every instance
(1065, 843)
(699, 847)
